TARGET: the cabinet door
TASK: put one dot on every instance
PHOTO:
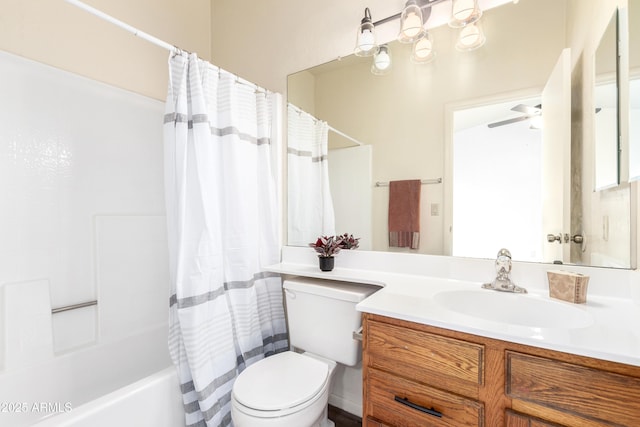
(605, 398)
(514, 419)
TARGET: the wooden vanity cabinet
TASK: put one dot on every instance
(418, 375)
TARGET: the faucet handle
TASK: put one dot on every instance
(503, 262)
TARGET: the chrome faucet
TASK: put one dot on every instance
(503, 282)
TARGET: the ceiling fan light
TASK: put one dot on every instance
(411, 23)
(464, 12)
(536, 122)
(422, 51)
(366, 44)
(471, 37)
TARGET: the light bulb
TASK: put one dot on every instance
(382, 61)
(423, 50)
(464, 12)
(462, 9)
(412, 25)
(367, 40)
(471, 37)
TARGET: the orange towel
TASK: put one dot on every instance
(404, 213)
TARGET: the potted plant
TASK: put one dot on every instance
(328, 246)
(349, 242)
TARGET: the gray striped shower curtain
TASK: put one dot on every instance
(226, 312)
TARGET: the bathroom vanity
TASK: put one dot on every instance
(438, 350)
(418, 375)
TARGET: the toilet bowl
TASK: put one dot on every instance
(284, 390)
(291, 389)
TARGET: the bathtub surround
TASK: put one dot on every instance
(82, 220)
(225, 311)
(27, 323)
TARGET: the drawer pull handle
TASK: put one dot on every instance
(429, 411)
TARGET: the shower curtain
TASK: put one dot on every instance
(225, 311)
(309, 198)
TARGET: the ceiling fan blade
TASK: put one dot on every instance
(527, 109)
(508, 121)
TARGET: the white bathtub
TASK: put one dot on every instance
(126, 383)
(154, 401)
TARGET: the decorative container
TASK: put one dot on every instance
(326, 263)
(568, 286)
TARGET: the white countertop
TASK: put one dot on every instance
(609, 326)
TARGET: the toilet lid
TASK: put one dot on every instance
(281, 381)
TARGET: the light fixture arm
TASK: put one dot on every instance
(367, 16)
(425, 5)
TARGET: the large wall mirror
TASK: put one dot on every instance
(408, 124)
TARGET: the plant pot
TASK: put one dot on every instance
(326, 263)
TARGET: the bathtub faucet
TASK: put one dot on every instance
(503, 282)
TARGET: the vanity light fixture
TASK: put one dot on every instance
(366, 44)
(381, 61)
(465, 14)
(411, 23)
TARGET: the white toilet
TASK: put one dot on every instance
(291, 389)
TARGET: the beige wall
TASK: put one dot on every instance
(56, 33)
(274, 38)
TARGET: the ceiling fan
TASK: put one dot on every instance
(528, 113)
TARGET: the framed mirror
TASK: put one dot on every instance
(405, 119)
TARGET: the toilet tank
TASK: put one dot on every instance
(322, 317)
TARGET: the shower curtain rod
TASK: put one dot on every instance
(133, 30)
(344, 135)
(148, 37)
(331, 128)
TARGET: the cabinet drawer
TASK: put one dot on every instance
(400, 402)
(425, 357)
(596, 395)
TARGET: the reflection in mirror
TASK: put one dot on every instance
(406, 119)
(607, 164)
(634, 89)
(498, 164)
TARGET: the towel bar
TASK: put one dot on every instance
(423, 182)
(73, 306)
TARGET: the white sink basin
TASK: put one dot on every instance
(516, 309)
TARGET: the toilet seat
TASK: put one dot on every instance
(280, 385)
